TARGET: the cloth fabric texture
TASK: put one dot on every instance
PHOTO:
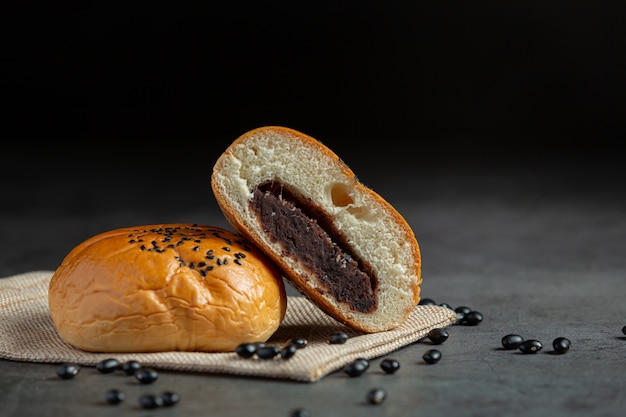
(28, 334)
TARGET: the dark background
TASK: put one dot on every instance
(116, 114)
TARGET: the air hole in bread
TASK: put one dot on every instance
(340, 195)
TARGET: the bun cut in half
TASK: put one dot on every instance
(166, 287)
(336, 241)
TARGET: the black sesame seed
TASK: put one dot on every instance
(68, 370)
(512, 341)
(357, 367)
(561, 345)
(150, 401)
(376, 396)
(389, 366)
(246, 350)
(114, 396)
(107, 366)
(146, 376)
(438, 335)
(170, 398)
(237, 261)
(530, 346)
(130, 367)
(196, 248)
(338, 338)
(432, 356)
(226, 248)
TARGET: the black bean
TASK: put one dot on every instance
(389, 366)
(68, 370)
(114, 396)
(473, 318)
(446, 305)
(624, 329)
(299, 342)
(170, 398)
(530, 346)
(107, 366)
(131, 367)
(300, 412)
(432, 356)
(246, 350)
(146, 376)
(288, 351)
(150, 401)
(561, 344)
(461, 313)
(338, 338)
(357, 367)
(267, 352)
(376, 396)
(427, 302)
(512, 341)
(438, 335)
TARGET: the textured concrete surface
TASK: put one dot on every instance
(537, 248)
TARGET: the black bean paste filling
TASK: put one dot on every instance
(306, 234)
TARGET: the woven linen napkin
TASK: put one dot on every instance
(28, 334)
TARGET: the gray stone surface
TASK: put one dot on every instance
(539, 250)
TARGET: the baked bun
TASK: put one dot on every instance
(166, 287)
(336, 241)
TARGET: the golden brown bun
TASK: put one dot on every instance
(355, 257)
(166, 287)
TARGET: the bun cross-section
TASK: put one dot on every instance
(335, 240)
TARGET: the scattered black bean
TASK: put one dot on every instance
(512, 341)
(150, 401)
(446, 305)
(427, 302)
(473, 318)
(338, 338)
(300, 412)
(624, 329)
(561, 345)
(246, 350)
(357, 367)
(376, 396)
(288, 351)
(107, 366)
(114, 396)
(146, 376)
(131, 367)
(461, 313)
(170, 398)
(438, 335)
(299, 342)
(432, 356)
(530, 346)
(389, 366)
(68, 370)
(267, 352)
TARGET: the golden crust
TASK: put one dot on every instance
(166, 287)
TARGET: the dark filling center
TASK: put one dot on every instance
(306, 234)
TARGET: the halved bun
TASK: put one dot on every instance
(166, 287)
(337, 241)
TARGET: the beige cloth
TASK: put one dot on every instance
(27, 333)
